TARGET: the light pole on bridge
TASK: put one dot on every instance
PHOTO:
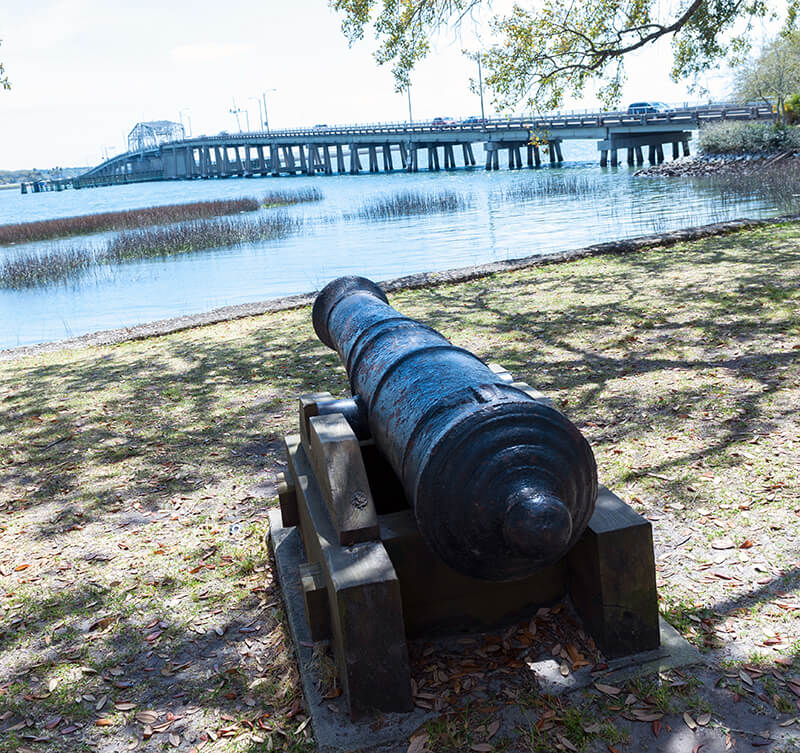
(260, 112)
(235, 112)
(264, 98)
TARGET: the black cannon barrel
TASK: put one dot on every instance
(500, 483)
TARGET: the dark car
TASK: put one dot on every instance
(473, 120)
(640, 108)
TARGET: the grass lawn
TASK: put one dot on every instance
(139, 610)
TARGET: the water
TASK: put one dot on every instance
(491, 228)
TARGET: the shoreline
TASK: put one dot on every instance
(712, 164)
(171, 325)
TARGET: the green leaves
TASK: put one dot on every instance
(543, 51)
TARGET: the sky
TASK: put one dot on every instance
(84, 72)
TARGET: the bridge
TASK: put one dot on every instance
(353, 149)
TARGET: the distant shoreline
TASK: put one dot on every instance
(4, 186)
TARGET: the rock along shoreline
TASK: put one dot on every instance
(408, 282)
(711, 164)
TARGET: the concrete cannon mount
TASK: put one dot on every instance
(356, 573)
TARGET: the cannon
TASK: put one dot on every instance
(501, 484)
(441, 496)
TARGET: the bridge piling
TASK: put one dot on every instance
(326, 155)
(373, 158)
(639, 155)
(614, 158)
(603, 157)
(403, 156)
(340, 159)
(387, 158)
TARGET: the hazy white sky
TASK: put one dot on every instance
(85, 71)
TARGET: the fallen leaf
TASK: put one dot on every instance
(103, 722)
(704, 719)
(656, 728)
(723, 543)
(690, 723)
(417, 744)
(124, 706)
(19, 568)
(607, 689)
(174, 739)
(566, 743)
(491, 730)
(52, 684)
(146, 717)
(481, 747)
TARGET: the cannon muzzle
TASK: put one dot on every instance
(500, 483)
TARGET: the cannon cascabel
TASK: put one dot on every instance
(500, 483)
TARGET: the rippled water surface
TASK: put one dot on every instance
(492, 227)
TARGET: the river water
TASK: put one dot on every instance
(494, 226)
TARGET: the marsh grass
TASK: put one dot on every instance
(544, 186)
(42, 268)
(777, 184)
(195, 236)
(63, 227)
(286, 198)
(409, 203)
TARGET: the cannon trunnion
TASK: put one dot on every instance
(443, 496)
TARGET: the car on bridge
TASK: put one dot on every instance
(473, 120)
(445, 121)
(640, 108)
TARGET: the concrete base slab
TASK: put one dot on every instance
(675, 651)
(334, 732)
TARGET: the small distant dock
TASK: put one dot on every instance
(40, 186)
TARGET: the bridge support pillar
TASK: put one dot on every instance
(403, 156)
(373, 158)
(326, 156)
(387, 158)
(639, 156)
(310, 166)
(559, 156)
(629, 155)
(551, 148)
(614, 158)
(262, 164)
(433, 158)
(288, 157)
(413, 165)
(469, 156)
(603, 157)
(355, 162)
(651, 154)
(340, 168)
(275, 160)
(685, 143)
(674, 150)
(449, 157)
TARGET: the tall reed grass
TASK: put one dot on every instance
(29, 232)
(195, 236)
(542, 186)
(777, 185)
(285, 198)
(42, 268)
(408, 203)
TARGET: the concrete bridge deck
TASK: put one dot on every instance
(355, 148)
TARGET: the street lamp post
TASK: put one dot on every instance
(260, 113)
(235, 112)
(480, 87)
(188, 120)
(264, 98)
(408, 92)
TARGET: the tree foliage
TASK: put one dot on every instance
(774, 76)
(543, 50)
(4, 82)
